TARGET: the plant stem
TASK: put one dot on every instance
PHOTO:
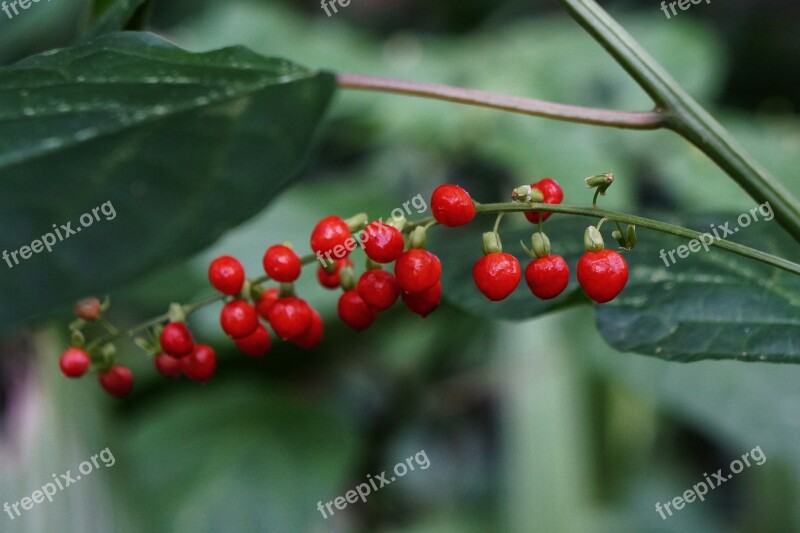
(685, 116)
(539, 108)
(643, 222)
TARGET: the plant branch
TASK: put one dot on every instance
(685, 116)
(539, 108)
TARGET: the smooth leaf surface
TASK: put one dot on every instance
(709, 305)
(183, 145)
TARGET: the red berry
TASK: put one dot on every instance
(238, 319)
(331, 280)
(176, 339)
(602, 275)
(329, 237)
(497, 275)
(289, 317)
(382, 243)
(355, 312)
(378, 288)
(226, 274)
(417, 270)
(552, 195)
(201, 364)
(88, 309)
(313, 336)
(268, 297)
(452, 206)
(256, 344)
(282, 264)
(74, 362)
(117, 381)
(423, 303)
(547, 276)
(168, 366)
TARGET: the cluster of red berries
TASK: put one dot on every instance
(416, 280)
(601, 273)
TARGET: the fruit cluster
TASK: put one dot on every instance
(251, 309)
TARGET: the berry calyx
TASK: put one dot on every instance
(176, 339)
(289, 317)
(331, 279)
(417, 270)
(382, 243)
(425, 302)
(226, 274)
(553, 194)
(547, 276)
(74, 363)
(329, 237)
(355, 312)
(201, 363)
(265, 301)
(452, 206)
(313, 335)
(238, 319)
(282, 264)
(88, 309)
(257, 344)
(117, 381)
(168, 366)
(497, 275)
(602, 274)
(378, 288)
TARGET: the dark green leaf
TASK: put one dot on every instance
(709, 305)
(114, 18)
(183, 145)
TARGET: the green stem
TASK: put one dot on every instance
(685, 116)
(643, 222)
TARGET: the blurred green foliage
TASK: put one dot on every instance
(532, 427)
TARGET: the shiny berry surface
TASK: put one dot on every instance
(226, 274)
(265, 301)
(238, 319)
(355, 312)
(602, 275)
(497, 275)
(547, 276)
(282, 264)
(257, 344)
(331, 280)
(425, 302)
(74, 362)
(289, 317)
(382, 243)
(176, 339)
(313, 335)
(329, 233)
(452, 206)
(417, 270)
(201, 364)
(378, 288)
